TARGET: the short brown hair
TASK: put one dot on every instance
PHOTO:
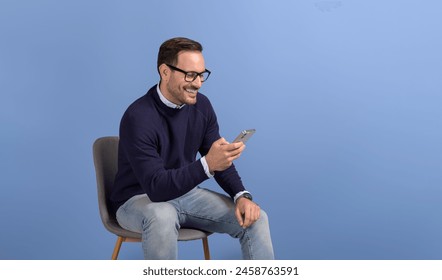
(170, 49)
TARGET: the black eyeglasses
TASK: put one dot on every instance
(191, 76)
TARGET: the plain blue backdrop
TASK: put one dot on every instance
(345, 96)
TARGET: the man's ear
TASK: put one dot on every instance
(164, 72)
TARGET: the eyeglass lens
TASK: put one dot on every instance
(191, 76)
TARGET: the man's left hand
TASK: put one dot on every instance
(246, 211)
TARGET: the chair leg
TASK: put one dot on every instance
(206, 248)
(117, 247)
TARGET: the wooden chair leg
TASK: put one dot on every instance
(117, 247)
(206, 248)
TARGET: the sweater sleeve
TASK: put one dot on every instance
(229, 179)
(140, 145)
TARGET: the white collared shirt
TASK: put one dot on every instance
(166, 101)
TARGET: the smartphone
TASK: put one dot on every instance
(244, 135)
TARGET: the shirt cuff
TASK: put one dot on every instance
(206, 167)
(239, 194)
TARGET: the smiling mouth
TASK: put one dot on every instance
(193, 91)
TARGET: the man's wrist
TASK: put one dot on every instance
(206, 167)
(244, 194)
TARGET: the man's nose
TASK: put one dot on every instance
(197, 82)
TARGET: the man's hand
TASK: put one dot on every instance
(222, 154)
(246, 211)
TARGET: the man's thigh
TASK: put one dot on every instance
(208, 210)
(140, 208)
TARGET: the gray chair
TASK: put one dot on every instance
(105, 153)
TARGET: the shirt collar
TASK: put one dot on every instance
(167, 102)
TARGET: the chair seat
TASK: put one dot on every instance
(184, 234)
(192, 234)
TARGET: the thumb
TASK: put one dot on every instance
(222, 141)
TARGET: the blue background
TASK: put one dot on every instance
(345, 96)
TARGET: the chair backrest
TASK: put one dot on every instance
(105, 153)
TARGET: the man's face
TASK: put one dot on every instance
(176, 89)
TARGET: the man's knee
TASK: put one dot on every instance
(263, 215)
(263, 221)
(160, 214)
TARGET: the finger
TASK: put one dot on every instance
(239, 216)
(232, 158)
(242, 147)
(233, 146)
(254, 214)
(248, 220)
(235, 153)
(238, 146)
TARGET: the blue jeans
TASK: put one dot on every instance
(159, 222)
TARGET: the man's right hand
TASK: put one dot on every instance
(222, 154)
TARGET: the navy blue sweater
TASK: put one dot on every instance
(158, 148)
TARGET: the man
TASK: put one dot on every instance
(156, 188)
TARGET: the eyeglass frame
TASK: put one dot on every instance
(198, 74)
